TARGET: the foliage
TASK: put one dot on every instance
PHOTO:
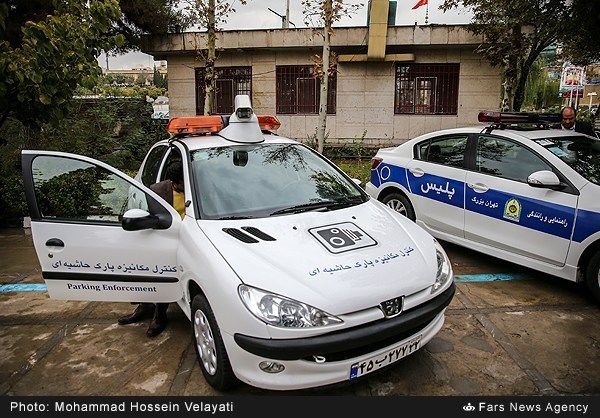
(159, 80)
(515, 32)
(72, 194)
(586, 115)
(327, 12)
(356, 169)
(200, 11)
(116, 131)
(210, 14)
(540, 91)
(150, 17)
(40, 70)
(138, 17)
(582, 44)
(120, 86)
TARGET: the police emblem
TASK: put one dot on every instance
(512, 210)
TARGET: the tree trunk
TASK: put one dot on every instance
(322, 123)
(522, 78)
(209, 68)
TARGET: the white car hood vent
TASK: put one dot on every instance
(258, 233)
(236, 233)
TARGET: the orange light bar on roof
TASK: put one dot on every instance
(195, 125)
(268, 122)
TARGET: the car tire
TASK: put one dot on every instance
(400, 204)
(592, 276)
(210, 350)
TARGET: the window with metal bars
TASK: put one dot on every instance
(298, 90)
(229, 82)
(430, 89)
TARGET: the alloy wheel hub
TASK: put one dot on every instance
(205, 342)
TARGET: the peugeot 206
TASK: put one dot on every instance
(290, 274)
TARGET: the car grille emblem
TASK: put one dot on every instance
(392, 307)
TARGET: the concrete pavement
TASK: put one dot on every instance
(539, 335)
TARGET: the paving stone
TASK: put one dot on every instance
(462, 370)
(542, 290)
(563, 346)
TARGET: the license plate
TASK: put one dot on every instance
(391, 356)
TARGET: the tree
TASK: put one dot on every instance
(581, 45)
(540, 91)
(41, 66)
(515, 32)
(210, 14)
(158, 79)
(328, 12)
(138, 17)
(141, 17)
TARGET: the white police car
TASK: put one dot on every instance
(291, 275)
(527, 195)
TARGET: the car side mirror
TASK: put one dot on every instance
(139, 219)
(544, 179)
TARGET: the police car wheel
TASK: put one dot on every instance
(209, 346)
(593, 276)
(400, 204)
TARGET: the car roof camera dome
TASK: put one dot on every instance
(243, 124)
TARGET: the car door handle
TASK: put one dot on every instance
(478, 187)
(416, 171)
(54, 242)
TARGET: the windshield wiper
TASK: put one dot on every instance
(228, 218)
(324, 204)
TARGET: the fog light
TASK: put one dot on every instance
(271, 367)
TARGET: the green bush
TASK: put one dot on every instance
(118, 132)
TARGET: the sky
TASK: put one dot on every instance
(256, 15)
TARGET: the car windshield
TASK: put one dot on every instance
(582, 153)
(259, 180)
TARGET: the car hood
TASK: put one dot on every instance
(340, 261)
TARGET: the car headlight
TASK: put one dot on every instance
(283, 312)
(444, 269)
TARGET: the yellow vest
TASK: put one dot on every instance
(179, 203)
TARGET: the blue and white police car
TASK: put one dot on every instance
(291, 275)
(523, 193)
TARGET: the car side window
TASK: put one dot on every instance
(75, 190)
(447, 150)
(502, 158)
(174, 155)
(152, 165)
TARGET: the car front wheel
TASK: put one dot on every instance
(592, 276)
(210, 349)
(400, 204)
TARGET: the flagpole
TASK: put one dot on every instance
(427, 13)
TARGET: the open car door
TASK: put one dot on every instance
(80, 209)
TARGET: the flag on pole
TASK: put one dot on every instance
(419, 4)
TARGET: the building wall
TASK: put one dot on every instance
(365, 94)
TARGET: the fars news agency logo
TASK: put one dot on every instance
(468, 407)
(342, 237)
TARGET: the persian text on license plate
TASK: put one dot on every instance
(391, 356)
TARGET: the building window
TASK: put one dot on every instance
(429, 89)
(229, 82)
(298, 90)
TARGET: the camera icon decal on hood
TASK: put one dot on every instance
(342, 237)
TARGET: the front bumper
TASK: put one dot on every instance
(370, 337)
(341, 349)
